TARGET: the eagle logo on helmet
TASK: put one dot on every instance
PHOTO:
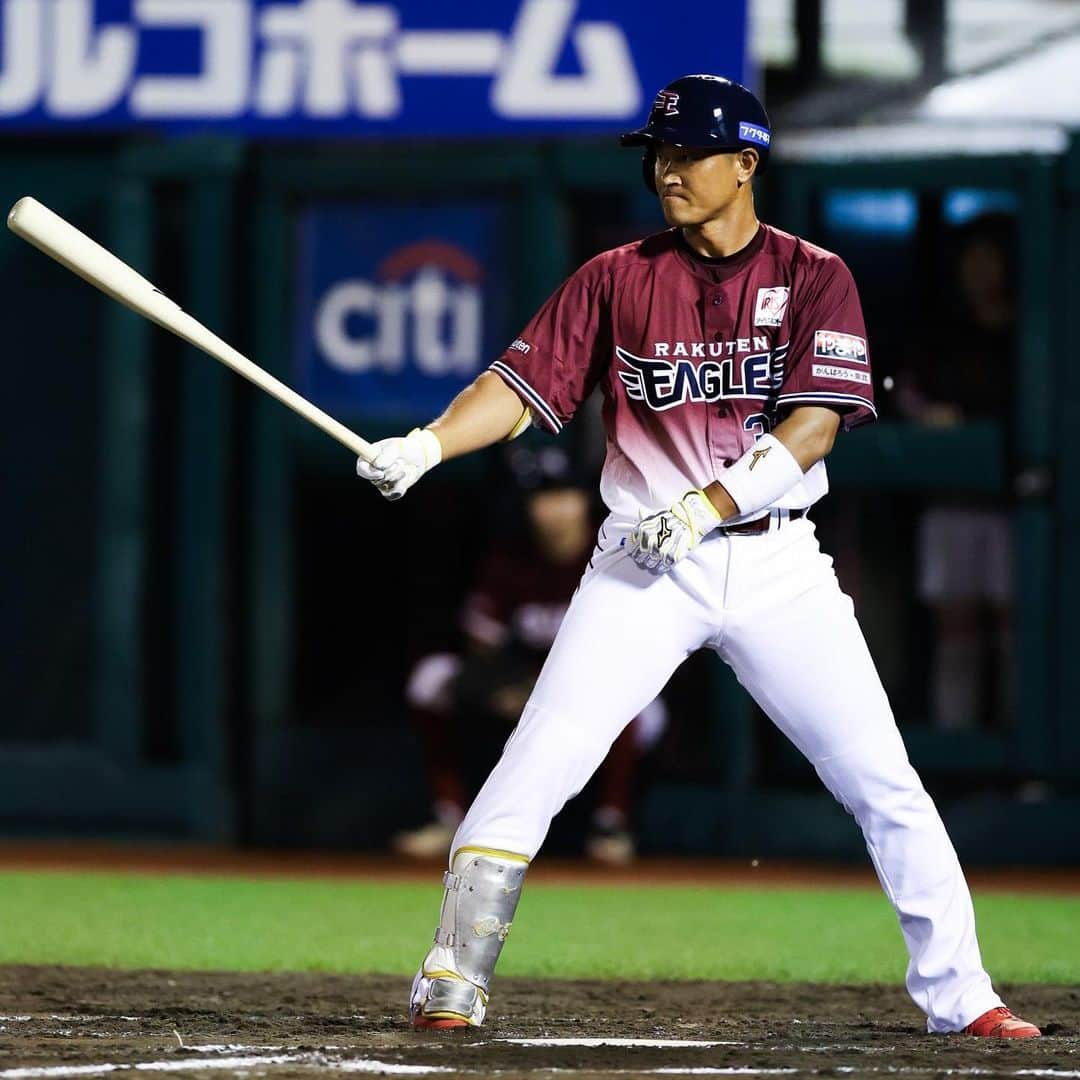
(667, 103)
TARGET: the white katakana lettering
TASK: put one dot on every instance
(327, 57)
(90, 69)
(21, 78)
(527, 84)
(221, 87)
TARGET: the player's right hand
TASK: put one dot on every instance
(399, 462)
(660, 540)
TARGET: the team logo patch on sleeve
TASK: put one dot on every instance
(845, 348)
(771, 305)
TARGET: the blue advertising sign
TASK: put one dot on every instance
(398, 307)
(350, 67)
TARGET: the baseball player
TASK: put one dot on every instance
(729, 354)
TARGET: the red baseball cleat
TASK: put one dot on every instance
(446, 1023)
(1001, 1023)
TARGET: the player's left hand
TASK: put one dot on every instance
(660, 540)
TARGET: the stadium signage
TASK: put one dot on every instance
(347, 66)
(397, 307)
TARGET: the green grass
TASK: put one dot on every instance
(125, 920)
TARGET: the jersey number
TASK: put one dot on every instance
(758, 423)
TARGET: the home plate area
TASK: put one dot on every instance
(81, 1022)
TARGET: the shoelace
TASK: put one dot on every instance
(1002, 1014)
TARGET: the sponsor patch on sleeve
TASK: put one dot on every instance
(841, 374)
(520, 346)
(845, 348)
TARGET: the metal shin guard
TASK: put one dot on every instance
(482, 893)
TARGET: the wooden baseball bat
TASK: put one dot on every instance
(60, 240)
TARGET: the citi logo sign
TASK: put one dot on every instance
(222, 60)
(425, 305)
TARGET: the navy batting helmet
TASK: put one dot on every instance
(705, 111)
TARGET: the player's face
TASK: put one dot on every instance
(696, 185)
(982, 272)
(560, 518)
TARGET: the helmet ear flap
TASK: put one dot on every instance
(648, 168)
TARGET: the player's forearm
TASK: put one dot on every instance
(807, 435)
(483, 413)
(721, 500)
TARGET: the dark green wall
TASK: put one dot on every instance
(157, 509)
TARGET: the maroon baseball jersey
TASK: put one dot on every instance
(520, 596)
(695, 357)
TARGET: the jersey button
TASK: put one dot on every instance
(718, 300)
(718, 336)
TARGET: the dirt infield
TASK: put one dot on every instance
(74, 1022)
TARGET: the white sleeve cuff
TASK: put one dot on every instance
(432, 448)
(765, 472)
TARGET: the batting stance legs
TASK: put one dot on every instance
(771, 607)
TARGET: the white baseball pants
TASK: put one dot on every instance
(771, 607)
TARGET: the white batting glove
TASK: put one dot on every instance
(660, 540)
(399, 462)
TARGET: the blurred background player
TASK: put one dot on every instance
(508, 622)
(965, 550)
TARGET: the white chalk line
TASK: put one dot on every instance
(615, 1041)
(891, 1070)
(31, 1073)
(238, 1057)
(370, 1065)
(747, 1070)
(362, 1065)
(707, 1070)
(1047, 1072)
(244, 1048)
(68, 1018)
